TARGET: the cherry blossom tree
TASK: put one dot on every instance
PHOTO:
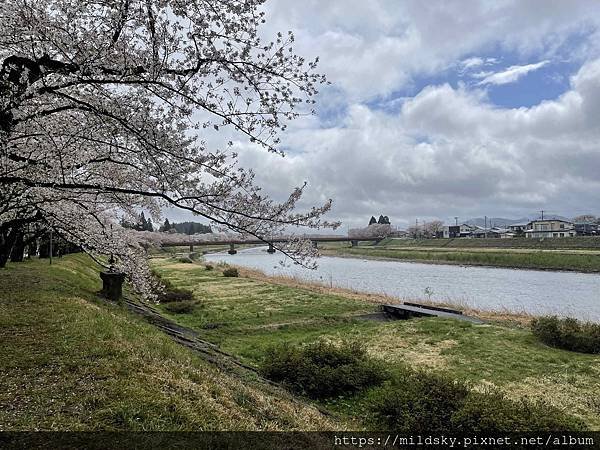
(109, 107)
(375, 230)
(433, 229)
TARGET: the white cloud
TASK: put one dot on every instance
(470, 63)
(510, 75)
(448, 152)
(372, 49)
(476, 62)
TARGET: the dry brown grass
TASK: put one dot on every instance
(505, 317)
(573, 395)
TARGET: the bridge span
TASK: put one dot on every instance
(233, 242)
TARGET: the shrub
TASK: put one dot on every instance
(181, 307)
(421, 402)
(208, 267)
(492, 412)
(568, 334)
(174, 294)
(323, 369)
(418, 402)
(231, 272)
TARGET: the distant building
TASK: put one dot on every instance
(518, 228)
(494, 232)
(586, 228)
(462, 230)
(397, 233)
(550, 228)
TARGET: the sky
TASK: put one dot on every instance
(441, 108)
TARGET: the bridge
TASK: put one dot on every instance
(233, 242)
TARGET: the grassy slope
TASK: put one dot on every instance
(246, 315)
(578, 242)
(69, 361)
(583, 255)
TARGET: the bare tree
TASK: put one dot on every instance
(433, 229)
(585, 218)
(415, 231)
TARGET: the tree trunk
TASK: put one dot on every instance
(18, 249)
(44, 251)
(7, 239)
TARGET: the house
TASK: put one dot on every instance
(586, 228)
(494, 232)
(503, 233)
(518, 228)
(455, 231)
(480, 232)
(550, 228)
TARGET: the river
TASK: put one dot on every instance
(514, 290)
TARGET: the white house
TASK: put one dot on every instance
(550, 228)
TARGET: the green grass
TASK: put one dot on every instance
(533, 259)
(577, 242)
(70, 361)
(247, 316)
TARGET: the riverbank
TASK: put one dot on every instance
(499, 316)
(245, 316)
(586, 261)
(73, 362)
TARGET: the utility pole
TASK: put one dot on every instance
(485, 228)
(542, 211)
(456, 220)
(417, 228)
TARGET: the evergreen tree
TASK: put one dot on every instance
(142, 224)
(373, 220)
(166, 226)
(385, 220)
(149, 226)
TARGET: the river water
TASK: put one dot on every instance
(514, 290)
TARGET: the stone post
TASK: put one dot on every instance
(112, 285)
(232, 250)
(271, 249)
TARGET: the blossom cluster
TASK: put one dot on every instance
(107, 108)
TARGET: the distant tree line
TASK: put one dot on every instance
(186, 227)
(143, 224)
